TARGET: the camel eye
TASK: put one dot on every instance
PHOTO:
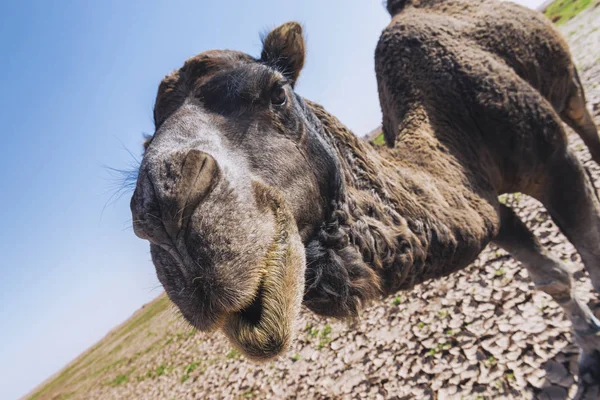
(278, 96)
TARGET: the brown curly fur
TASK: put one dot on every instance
(390, 229)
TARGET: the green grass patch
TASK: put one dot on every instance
(191, 368)
(249, 394)
(324, 336)
(560, 11)
(119, 380)
(161, 369)
(153, 373)
(233, 353)
(490, 362)
(379, 140)
(439, 348)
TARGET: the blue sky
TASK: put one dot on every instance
(79, 80)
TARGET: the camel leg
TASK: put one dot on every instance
(577, 116)
(552, 276)
(572, 201)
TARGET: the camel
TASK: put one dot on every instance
(256, 200)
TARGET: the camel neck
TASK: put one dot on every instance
(408, 225)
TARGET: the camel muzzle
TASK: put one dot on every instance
(173, 187)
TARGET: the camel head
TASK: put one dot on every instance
(233, 181)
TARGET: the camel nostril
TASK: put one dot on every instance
(199, 172)
(200, 169)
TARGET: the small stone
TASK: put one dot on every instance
(553, 393)
(555, 372)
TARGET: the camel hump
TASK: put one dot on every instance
(523, 38)
(395, 6)
(424, 67)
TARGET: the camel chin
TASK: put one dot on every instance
(264, 328)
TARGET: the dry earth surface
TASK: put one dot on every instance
(478, 334)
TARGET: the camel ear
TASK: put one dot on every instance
(283, 49)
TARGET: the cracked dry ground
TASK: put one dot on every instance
(480, 333)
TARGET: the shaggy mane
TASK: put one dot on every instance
(365, 249)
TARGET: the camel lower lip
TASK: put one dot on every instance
(253, 312)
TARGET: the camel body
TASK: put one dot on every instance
(255, 200)
(471, 93)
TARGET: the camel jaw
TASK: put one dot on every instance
(264, 328)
